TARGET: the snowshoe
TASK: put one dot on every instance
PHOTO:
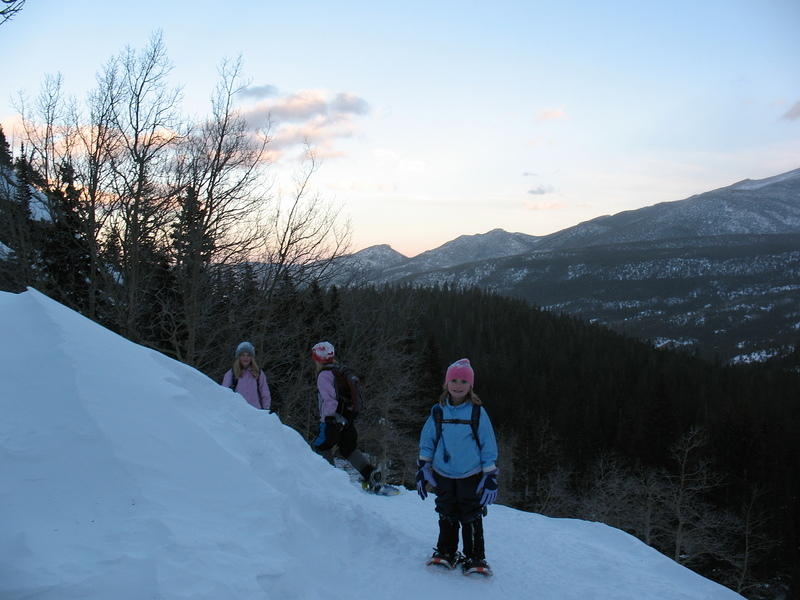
(444, 559)
(476, 565)
(374, 482)
(385, 490)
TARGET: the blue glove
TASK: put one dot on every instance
(329, 432)
(320, 439)
(488, 485)
(424, 477)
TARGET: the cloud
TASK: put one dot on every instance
(258, 92)
(541, 190)
(536, 206)
(299, 106)
(307, 104)
(316, 131)
(530, 174)
(350, 103)
(315, 117)
(794, 113)
(551, 114)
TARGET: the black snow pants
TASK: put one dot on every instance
(459, 506)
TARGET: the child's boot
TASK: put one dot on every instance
(475, 558)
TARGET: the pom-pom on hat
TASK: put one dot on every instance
(461, 369)
(245, 347)
(323, 352)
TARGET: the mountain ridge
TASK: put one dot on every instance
(730, 255)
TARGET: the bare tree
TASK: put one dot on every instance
(147, 122)
(220, 171)
(542, 477)
(695, 523)
(305, 235)
(45, 131)
(611, 495)
(10, 9)
(94, 140)
(649, 518)
(753, 543)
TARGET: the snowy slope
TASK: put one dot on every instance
(128, 475)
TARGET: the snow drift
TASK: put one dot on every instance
(128, 475)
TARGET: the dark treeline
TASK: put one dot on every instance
(696, 459)
(699, 460)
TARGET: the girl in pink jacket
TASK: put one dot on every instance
(247, 378)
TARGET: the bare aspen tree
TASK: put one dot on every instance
(147, 122)
(43, 127)
(220, 172)
(305, 235)
(694, 521)
(10, 8)
(753, 544)
(611, 494)
(649, 521)
(96, 142)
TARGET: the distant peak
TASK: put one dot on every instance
(754, 184)
(379, 249)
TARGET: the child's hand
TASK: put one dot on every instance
(488, 485)
(424, 477)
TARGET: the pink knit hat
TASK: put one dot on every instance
(461, 369)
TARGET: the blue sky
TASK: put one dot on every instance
(441, 119)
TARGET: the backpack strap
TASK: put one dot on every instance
(235, 380)
(345, 378)
(258, 391)
(438, 420)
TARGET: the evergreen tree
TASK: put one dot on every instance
(65, 255)
(18, 231)
(192, 248)
(6, 160)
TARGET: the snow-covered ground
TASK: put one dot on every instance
(128, 475)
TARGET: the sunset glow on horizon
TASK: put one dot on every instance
(432, 121)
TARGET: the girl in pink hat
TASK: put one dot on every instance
(457, 460)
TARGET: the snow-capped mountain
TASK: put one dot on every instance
(382, 263)
(717, 271)
(378, 257)
(469, 248)
(128, 475)
(765, 206)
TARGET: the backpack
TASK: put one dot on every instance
(235, 380)
(349, 391)
(438, 419)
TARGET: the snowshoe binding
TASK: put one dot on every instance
(476, 565)
(374, 482)
(444, 559)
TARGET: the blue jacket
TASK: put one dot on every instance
(465, 457)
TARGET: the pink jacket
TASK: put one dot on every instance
(248, 387)
(326, 388)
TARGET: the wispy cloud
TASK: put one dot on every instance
(794, 113)
(542, 206)
(316, 131)
(349, 104)
(541, 190)
(314, 117)
(530, 174)
(258, 92)
(551, 114)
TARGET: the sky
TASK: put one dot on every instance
(434, 120)
(174, 487)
